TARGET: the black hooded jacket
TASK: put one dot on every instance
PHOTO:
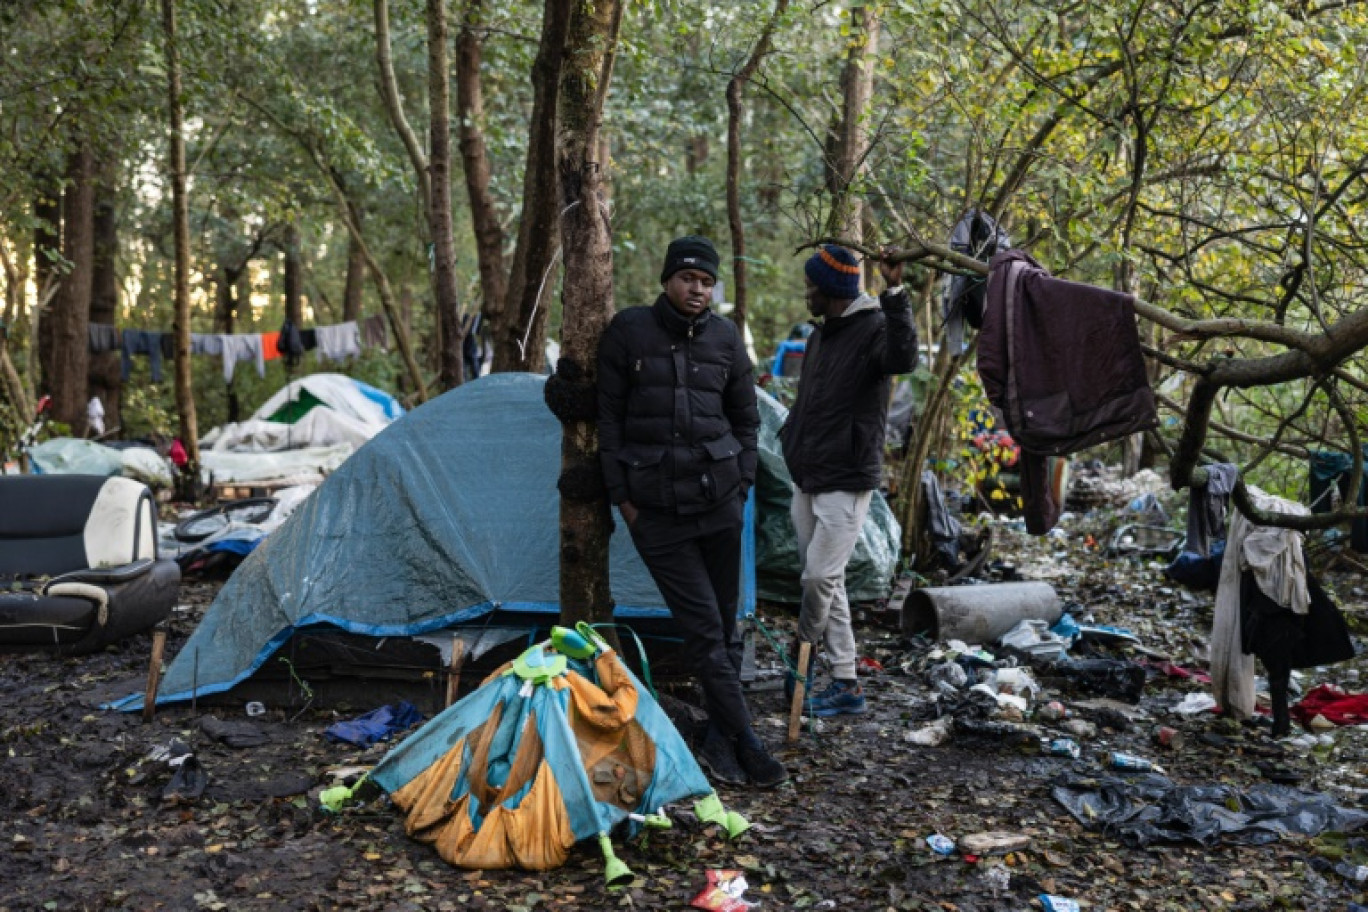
(833, 439)
(677, 417)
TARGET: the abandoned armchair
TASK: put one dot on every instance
(78, 563)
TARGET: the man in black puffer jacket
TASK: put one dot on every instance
(833, 446)
(677, 423)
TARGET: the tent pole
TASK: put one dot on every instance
(454, 674)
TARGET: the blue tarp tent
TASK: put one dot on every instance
(448, 514)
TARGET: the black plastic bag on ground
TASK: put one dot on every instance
(1115, 678)
(1150, 808)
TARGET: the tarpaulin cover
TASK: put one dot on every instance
(447, 515)
(514, 774)
(1150, 808)
(869, 575)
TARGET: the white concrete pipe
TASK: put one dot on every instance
(978, 614)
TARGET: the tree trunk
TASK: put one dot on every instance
(47, 244)
(445, 296)
(736, 88)
(587, 306)
(394, 106)
(851, 139)
(185, 395)
(489, 236)
(105, 379)
(71, 310)
(356, 273)
(520, 336)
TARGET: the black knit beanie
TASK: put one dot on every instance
(835, 272)
(690, 252)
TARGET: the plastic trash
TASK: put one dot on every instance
(1109, 677)
(996, 877)
(941, 845)
(1063, 747)
(1080, 728)
(1195, 703)
(1016, 681)
(1147, 808)
(994, 842)
(1131, 763)
(1355, 873)
(1169, 738)
(1052, 903)
(723, 892)
(932, 735)
(951, 673)
(255, 708)
(1034, 637)
(1054, 711)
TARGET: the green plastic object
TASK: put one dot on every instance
(710, 810)
(586, 630)
(537, 667)
(572, 643)
(334, 798)
(615, 872)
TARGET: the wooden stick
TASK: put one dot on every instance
(799, 692)
(154, 666)
(454, 675)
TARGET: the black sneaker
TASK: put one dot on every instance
(761, 766)
(718, 758)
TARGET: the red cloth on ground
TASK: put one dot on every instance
(1336, 705)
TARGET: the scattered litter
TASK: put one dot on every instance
(1052, 903)
(255, 709)
(951, 674)
(941, 845)
(1016, 681)
(994, 842)
(723, 892)
(996, 877)
(1195, 703)
(1109, 677)
(1037, 639)
(1080, 728)
(1054, 711)
(1131, 763)
(931, 735)
(376, 725)
(1169, 738)
(1150, 808)
(1063, 747)
(233, 734)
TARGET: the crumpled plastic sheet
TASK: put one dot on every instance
(1110, 677)
(376, 725)
(1145, 809)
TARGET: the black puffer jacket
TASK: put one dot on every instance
(833, 439)
(677, 415)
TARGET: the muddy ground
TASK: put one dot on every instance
(83, 824)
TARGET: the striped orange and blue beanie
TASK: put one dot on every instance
(835, 272)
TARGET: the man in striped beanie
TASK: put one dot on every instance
(833, 445)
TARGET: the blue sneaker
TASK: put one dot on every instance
(841, 698)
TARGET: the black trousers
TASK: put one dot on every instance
(696, 563)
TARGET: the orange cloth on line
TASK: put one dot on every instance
(270, 346)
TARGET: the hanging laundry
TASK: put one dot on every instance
(290, 345)
(142, 342)
(339, 342)
(374, 332)
(168, 346)
(1207, 508)
(308, 339)
(270, 346)
(242, 347)
(1061, 362)
(103, 338)
(1330, 469)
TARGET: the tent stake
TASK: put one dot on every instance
(454, 674)
(154, 666)
(799, 692)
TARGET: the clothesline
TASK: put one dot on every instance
(335, 342)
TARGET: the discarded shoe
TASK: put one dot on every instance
(840, 698)
(764, 770)
(718, 758)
